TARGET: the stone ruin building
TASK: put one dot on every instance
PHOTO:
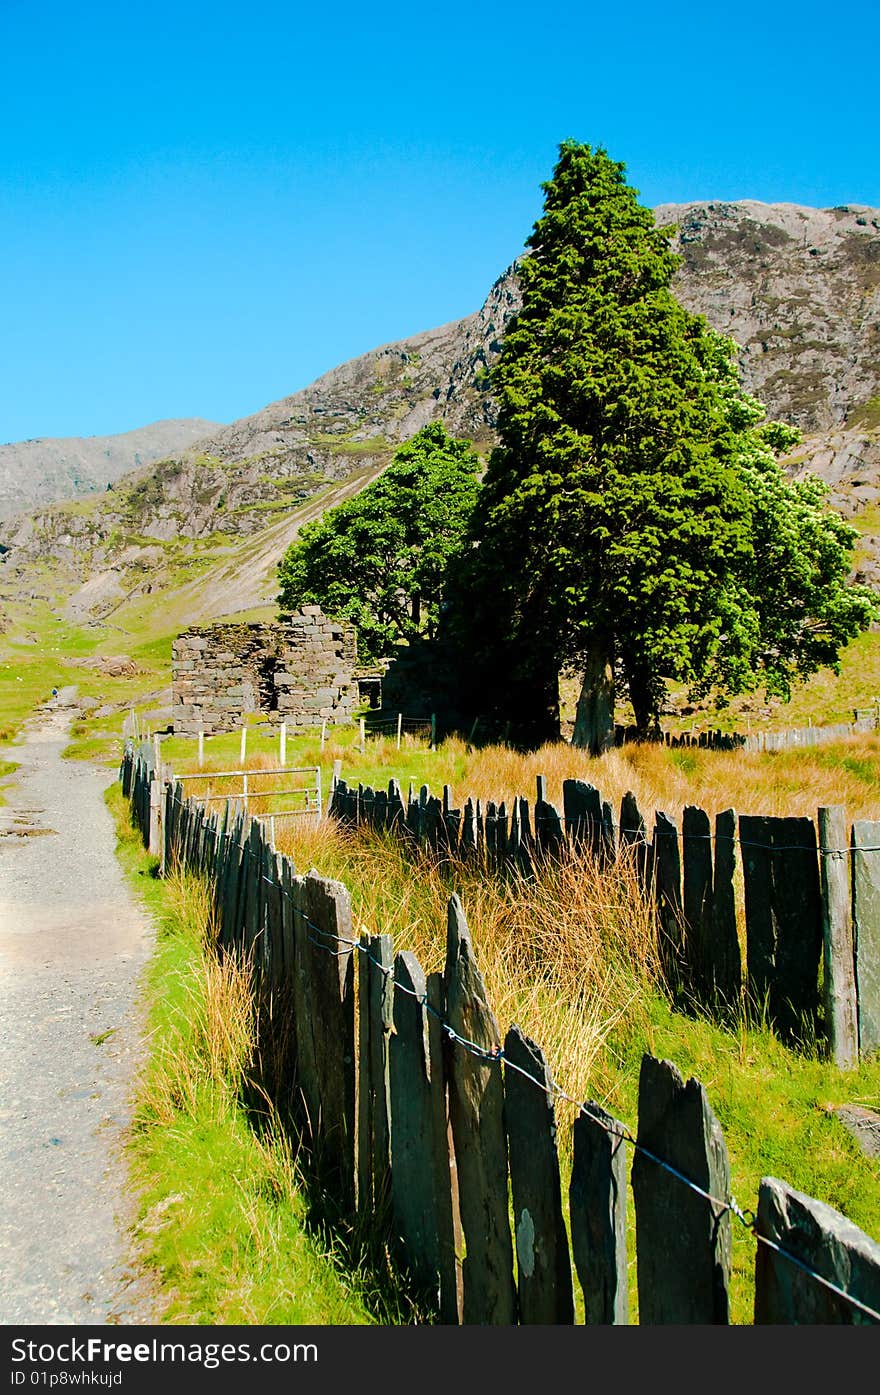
(299, 671)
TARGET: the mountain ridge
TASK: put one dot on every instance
(797, 288)
(46, 469)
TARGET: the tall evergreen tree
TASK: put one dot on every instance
(633, 496)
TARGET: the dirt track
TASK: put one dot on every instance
(73, 942)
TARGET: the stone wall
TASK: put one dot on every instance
(297, 671)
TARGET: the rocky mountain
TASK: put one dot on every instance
(798, 289)
(39, 472)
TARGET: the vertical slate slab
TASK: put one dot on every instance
(597, 1210)
(544, 1289)
(682, 1240)
(433, 823)
(308, 1103)
(783, 920)
(634, 837)
(395, 815)
(514, 836)
(286, 874)
(448, 1217)
(866, 930)
(452, 830)
(337, 800)
(549, 835)
(237, 881)
(422, 1206)
(491, 826)
(582, 810)
(757, 860)
(798, 912)
(827, 1243)
(501, 834)
(468, 841)
(331, 984)
(526, 839)
(476, 1102)
(380, 1010)
(608, 841)
(725, 961)
(838, 953)
(667, 879)
(696, 847)
(272, 917)
(253, 902)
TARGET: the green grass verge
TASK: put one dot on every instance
(223, 1221)
(775, 1107)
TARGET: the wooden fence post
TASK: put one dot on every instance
(682, 1239)
(597, 1208)
(243, 747)
(544, 1288)
(476, 1108)
(282, 745)
(363, 736)
(201, 748)
(399, 728)
(841, 1011)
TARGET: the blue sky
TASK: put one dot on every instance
(205, 206)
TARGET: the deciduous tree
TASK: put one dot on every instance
(380, 559)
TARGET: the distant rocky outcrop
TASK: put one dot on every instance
(39, 472)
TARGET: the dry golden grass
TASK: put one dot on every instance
(566, 956)
(774, 783)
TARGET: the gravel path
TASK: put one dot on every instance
(73, 941)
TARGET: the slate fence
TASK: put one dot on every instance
(800, 944)
(796, 738)
(440, 1133)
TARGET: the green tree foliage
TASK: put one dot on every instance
(634, 520)
(380, 559)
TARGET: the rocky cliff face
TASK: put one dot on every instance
(36, 473)
(799, 291)
(797, 288)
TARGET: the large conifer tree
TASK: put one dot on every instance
(622, 518)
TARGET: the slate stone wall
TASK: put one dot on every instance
(297, 671)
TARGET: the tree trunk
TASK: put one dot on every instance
(645, 694)
(594, 720)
